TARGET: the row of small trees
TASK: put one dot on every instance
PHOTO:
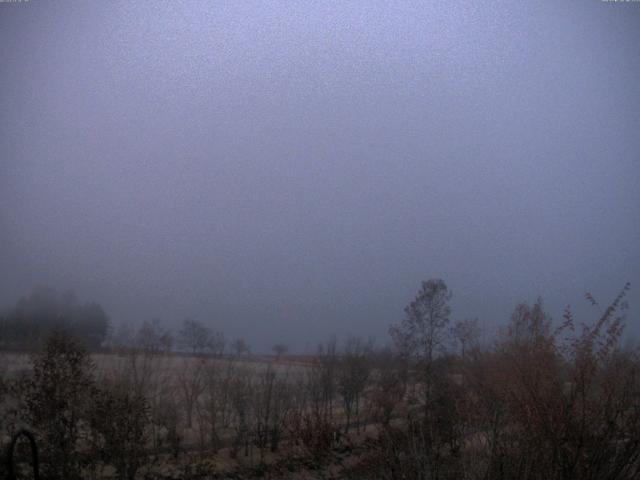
(152, 337)
(193, 337)
(150, 405)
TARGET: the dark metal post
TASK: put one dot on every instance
(34, 454)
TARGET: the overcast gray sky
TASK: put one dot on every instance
(289, 170)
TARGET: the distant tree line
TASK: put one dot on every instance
(43, 312)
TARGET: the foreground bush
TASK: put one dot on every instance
(56, 398)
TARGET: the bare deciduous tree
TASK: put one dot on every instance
(191, 384)
(353, 372)
(422, 332)
(280, 349)
(240, 347)
(241, 390)
(466, 333)
(119, 420)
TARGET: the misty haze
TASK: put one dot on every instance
(395, 240)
